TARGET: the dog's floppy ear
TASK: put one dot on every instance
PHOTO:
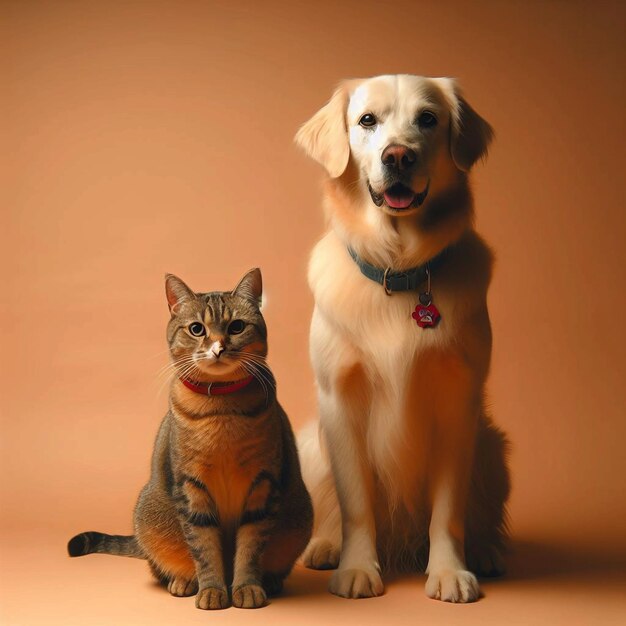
(325, 136)
(470, 134)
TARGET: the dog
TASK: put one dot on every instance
(405, 468)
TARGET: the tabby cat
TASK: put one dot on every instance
(225, 504)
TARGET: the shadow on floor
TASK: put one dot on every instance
(530, 560)
(306, 582)
(526, 561)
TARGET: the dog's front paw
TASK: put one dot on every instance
(181, 587)
(321, 554)
(452, 585)
(356, 583)
(212, 598)
(249, 597)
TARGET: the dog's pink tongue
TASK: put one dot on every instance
(400, 200)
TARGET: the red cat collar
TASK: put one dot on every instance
(217, 389)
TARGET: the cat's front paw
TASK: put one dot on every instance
(181, 587)
(212, 598)
(249, 597)
(356, 583)
(452, 585)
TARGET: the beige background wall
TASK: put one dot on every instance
(145, 137)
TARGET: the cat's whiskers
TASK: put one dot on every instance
(257, 367)
(176, 361)
(189, 368)
(167, 373)
(265, 379)
(242, 356)
(173, 369)
(249, 355)
(169, 362)
(250, 369)
(254, 358)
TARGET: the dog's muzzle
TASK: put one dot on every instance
(399, 197)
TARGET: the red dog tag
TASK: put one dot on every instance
(426, 316)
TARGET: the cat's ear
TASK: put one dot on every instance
(177, 292)
(250, 286)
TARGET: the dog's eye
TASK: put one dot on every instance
(197, 329)
(427, 119)
(236, 327)
(367, 120)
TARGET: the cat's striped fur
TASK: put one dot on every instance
(225, 504)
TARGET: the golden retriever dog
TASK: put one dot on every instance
(406, 469)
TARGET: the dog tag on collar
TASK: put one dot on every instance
(426, 313)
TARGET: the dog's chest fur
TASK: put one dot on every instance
(357, 325)
(378, 326)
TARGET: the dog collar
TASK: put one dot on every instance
(216, 389)
(406, 280)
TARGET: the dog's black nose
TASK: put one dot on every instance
(399, 157)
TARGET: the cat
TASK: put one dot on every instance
(225, 504)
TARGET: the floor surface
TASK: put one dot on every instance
(545, 585)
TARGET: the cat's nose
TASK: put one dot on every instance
(217, 348)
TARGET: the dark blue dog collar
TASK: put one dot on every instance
(407, 280)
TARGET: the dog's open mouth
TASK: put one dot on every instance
(399, 197)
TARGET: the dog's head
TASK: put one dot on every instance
(409, 138)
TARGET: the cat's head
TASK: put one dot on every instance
(218, 335)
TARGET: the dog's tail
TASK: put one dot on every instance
(92, 541)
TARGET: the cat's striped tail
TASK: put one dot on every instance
(92, 541)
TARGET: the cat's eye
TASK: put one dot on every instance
(197, 329)
(426, 119)
(367, 120)
(236, 327)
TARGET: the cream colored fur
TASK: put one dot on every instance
(418, 470)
